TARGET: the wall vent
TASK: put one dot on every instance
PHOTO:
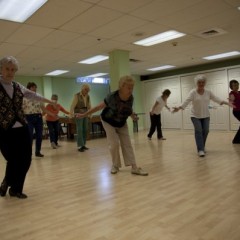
(134, 60)
(213, 32)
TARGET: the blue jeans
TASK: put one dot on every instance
(35, 123)
(53, 129)
(201, 129)
(81, 125)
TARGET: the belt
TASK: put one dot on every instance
(33, 114)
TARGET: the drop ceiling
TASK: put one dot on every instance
(64, 32)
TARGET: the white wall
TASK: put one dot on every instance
(218, 82)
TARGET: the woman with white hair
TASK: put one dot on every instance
(200, 115)
(80, 104)
(117, 107)
(15, 139)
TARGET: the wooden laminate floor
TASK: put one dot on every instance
(73, 196)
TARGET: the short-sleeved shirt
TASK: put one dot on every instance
(236, 101)
(32, 107)
(116, 111)
(160, 106)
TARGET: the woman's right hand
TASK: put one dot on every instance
(175, 109)
(80, 115)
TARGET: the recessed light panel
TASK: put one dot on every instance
(94, 59)
(222, 55)
(56, 72)
(19, 10)
(161, 68)
(159, 38)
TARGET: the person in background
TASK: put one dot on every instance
(117, 107)
(155, 115)
(234, 97)
(53, 120)
(200, 115)
(15, 139)
(33, 111)
(81, 103)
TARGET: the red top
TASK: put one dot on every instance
(55, 110)
(236, 101)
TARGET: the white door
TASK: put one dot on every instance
(219, 114)
(187, 84)
(154, 89)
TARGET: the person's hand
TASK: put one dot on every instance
(230, 104)
(80, 115)
(175, 109)
(134, 117)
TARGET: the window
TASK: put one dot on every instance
(98, 80)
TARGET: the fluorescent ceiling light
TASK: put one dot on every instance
(99, 80)
(238, 8)
(161, 68)
(94, 59)
(222, 55)
(19, 10)
(159, 38)
(56, 72)
(97, 75)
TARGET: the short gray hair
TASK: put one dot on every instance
(9, 59)
(126, 79)
(85, 86)
(200, 77)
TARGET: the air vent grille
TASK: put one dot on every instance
(213, 32)
(134, 60)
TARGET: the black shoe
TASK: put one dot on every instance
(81, 149)
(85, 148)
(18, 195)
(39, 155)
(3, 188)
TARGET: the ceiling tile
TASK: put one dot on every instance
(27, 34)
(91, 20)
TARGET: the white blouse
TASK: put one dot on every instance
(200, 103)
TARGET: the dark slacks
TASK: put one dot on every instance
(236, 138)
(155, 124)
(35, 122)
(53, 128)
(16, 147)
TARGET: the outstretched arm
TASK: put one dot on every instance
(91, 110)
(176, 109)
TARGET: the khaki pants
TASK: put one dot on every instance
(117, 137)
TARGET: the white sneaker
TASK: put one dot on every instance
(54, 146)
(201, 153)
(139, 171)
(114, 170)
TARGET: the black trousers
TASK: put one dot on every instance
(155, 124)
(236, 138)
(16, 147)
